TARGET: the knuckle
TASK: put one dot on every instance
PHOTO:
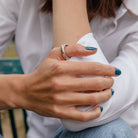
(56, 84)
(97, 114)
(90, 99)
(97, 66)
(110, 82)
(83, 118)
(78, 50)
(55, 109)
(56, 99)
(58, 68)
(100, 83)
(95, 99)
(109, 94)
(54, 50)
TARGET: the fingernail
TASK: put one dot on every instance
(112, 92)
(101, 109)
(117, 71)
(90, 48)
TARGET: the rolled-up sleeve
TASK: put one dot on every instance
(125, 86)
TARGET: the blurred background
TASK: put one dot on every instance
(12, 122)
(10, 52)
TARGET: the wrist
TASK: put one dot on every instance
(13, 95)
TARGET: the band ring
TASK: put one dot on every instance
(63, 51)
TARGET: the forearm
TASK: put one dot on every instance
(72, 24)
(10, 87)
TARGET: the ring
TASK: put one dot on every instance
(63, 51)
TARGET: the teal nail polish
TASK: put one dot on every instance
(117, 71)
(101, 109)
(112, 92)
(90, 48)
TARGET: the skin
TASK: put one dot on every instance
(56, 92)
(70, 23)
(53, 89)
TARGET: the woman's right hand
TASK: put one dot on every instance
(54, 89)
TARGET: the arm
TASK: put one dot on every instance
(70, 24)
(40, 91)
(112, 109)
(70, 21)
(9, 86)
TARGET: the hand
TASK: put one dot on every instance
(54, 89)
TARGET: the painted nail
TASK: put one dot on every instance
(101, 109)
(117, 71)
(112, 92)
(90, 48)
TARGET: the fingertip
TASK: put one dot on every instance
(117, 71)
(98, 111)
(79, 50)
(112, 92)
(90, 51)
(91, 48)
(101, 108)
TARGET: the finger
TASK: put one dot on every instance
(92, 98)
(79, 50)
(89, 68)
(77, 99)
(68, 83)
(90, 84)
(71, 51)
(75, 114)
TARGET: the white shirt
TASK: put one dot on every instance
(117, 38)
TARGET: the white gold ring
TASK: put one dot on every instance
(63, 51)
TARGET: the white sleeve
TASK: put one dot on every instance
(8, 19)
(126, 89)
